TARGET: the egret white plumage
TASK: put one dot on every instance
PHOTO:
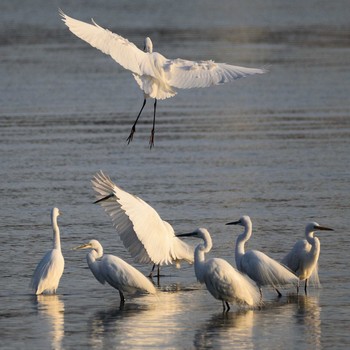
(156, 75)
(262, 269)
(222, 280)
(303, 257)
(115, 271)
(148, 238)
(49, 271)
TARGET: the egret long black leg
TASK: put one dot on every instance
(122, 299)
(133, 129)
(278, 292)
(151, 140)
(151, 273)
(305, 288)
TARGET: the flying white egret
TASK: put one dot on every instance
(48, 273)
(303, 257)
(157, 76)
(262, 269)
(222, 280)
(115, 271)
(148, 238)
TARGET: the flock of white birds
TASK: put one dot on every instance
(151, 240)
(148, 238)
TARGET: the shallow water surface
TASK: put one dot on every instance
(275, 147)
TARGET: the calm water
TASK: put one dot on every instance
(275, 147)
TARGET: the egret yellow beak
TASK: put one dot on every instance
(83, 246)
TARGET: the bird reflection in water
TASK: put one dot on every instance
(308, 315)
(141, 323)
(51, 307)
(223, 329)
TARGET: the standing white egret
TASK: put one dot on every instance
(303, 257)
(148, 238)
(157, 76)
(262, 269)
(115, 271)
(222, 280)
(48, 273)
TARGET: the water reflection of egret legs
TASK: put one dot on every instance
(308, 314)
(52, 308)
(147, 323)
(226, 330)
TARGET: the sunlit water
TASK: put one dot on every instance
(275, 147)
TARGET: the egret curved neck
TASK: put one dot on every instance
(56, 233)
(94, 265)
(240, 242)
(199, 257)
(314, 242)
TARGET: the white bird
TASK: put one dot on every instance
(148, 238)
(115, 271)
(156, 75)
(222, 280)
(262, 269)
(48, 273)
(303, 257)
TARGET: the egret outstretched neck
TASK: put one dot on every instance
(56, 231)
(241, 239)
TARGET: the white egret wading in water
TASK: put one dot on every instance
(222, 280)
(262, 269)
(148, 238)
(157, 76)
(303, 257)
(48, 273)
(115, 271)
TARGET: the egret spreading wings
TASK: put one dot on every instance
(148, 238)
(157, 76)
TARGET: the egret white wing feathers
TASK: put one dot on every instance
(153, 71)
(296, 260)
(147, 237)
(49, 269)
(123, 276)
(186, 74)
(120, 49)
(226, 283)
(265, 270)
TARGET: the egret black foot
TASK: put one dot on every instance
(131, 136)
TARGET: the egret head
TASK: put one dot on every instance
(148, 46)
(199, 232)
(243, 221)
(314, 226)
(93, 244)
